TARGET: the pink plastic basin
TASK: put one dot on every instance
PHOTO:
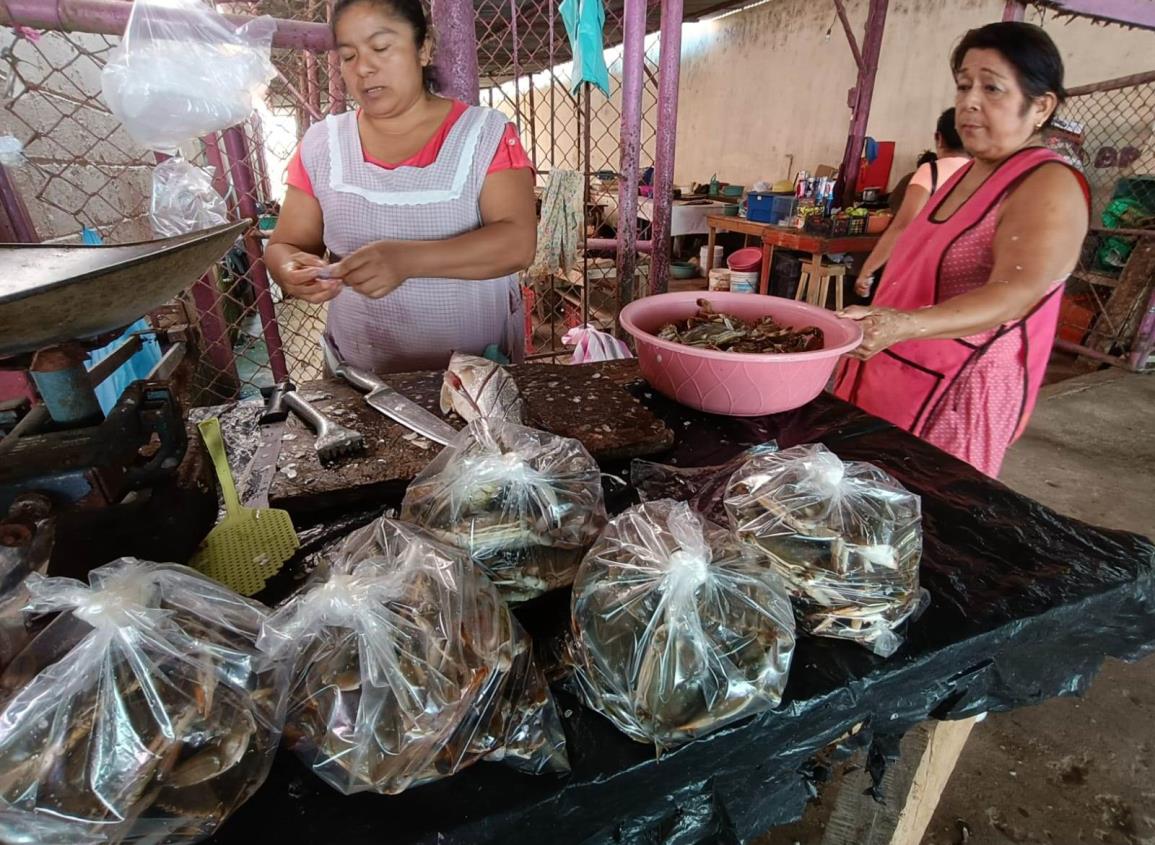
(733, 383)
(746, 260)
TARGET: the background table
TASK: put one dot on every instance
(771, 237)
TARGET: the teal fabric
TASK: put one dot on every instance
(494, 353)
(136, 367)
(584, 21)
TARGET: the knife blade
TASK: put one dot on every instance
(271, 429)
(383, 398)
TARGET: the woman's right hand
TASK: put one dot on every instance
(863, 285)
(298, 276)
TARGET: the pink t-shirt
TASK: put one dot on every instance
(947, 167)
(510, 153)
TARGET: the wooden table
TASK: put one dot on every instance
(777, 237)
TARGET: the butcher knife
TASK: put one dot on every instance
(388, 401)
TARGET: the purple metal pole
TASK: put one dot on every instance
(516, 65)
(1144, 337)
(552, 90)
(862, 95)
(312, 84)
(236, 148)
(669, 62)
(633, 57)
(1014, 10)
(18, 218)
(1139, 13)
(336, 85)
(456, 58)
(266, 194)
(110, 17)
(220, 172)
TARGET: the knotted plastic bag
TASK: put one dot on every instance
(408, 667)
(184, 200)
(183, 70)
(679, 629)
(846, 537)
(525, 504)
(142, 713)
(591, 344)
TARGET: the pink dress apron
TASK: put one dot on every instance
(972, 396)
(419, 325)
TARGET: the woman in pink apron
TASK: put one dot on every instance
(960, 331)
(424, 206)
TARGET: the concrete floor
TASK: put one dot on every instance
(1070, 770)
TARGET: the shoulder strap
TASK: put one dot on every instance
(933, 176)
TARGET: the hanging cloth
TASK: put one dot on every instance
(584, 21)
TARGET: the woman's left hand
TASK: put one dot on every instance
(881, 328)
(375, 270)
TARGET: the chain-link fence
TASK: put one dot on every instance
(1111, 129)
(527, 73)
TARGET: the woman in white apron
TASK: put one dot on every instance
(425, 207)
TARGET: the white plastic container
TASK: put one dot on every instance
(743, 282)
(719, 279)
(710, 265)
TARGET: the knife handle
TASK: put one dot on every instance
(355, 376)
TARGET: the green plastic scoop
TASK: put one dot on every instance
(249, 545)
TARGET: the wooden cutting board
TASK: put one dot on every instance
(587, 402)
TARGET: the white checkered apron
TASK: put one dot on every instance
(425, 320)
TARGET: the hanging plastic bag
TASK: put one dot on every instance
(408, 667)
(704, 488)
(591, 344)
(525, 504)
(141, 713)
(679, 629)
(846, 537)
(183, 70)
(184, 200)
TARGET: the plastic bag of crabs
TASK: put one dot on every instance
(408, 667)
(525, 504)
(142, 713)
(846, 537)
(679, 629)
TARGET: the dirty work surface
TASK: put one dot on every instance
(588, 403)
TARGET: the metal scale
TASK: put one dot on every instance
(100, 486)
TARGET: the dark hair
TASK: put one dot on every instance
(1031, 52)
(927, 156)
(946, 131)
(410, 11)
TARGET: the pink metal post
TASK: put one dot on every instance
(1145, 337)
(633, 56)
(669, 62)
(456, 57)
(516, 64)
(312, 86)
(236, 147)
(1014, 10)
(19, 221)
(336, 85)
(109, 17)
(861, 96)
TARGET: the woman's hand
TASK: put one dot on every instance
(298, 277)
(375, 270)
(863, 285)
(881, 328)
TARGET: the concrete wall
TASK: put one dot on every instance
(763, 92)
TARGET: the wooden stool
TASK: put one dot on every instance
(814, 284)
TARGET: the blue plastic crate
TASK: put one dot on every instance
(769, 208)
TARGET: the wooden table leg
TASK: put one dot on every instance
(913, 785)
(710, 238)
(764, 279)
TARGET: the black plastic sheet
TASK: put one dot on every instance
(1025, 604)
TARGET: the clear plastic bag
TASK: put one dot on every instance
(846, 537)
(183, 70)
(525, 504)
(142, 713)
(679, 629)
(591, 344)
(408, 667)
(184, 200)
